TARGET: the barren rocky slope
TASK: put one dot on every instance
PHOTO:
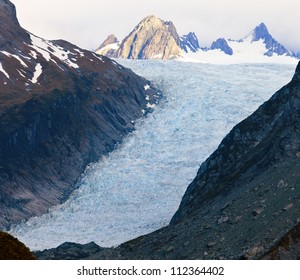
(61, 107)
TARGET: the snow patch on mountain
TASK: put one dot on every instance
(138, 187)
(37, 73)
(16, 57)
(3, 71)
(47, 49)
(243, 52)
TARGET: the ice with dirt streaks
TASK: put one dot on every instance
(138, 187)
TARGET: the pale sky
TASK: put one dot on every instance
(87, 23)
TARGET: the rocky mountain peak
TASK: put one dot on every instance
(152, 38)
(222, 45)
(260, 32)
(190, 42)
(111, 39)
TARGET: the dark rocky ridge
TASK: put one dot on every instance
(245, 199)
(53, 123)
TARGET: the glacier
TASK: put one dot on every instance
(137, 188)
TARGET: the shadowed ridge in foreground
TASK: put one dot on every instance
(12, 249)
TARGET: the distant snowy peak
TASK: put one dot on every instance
(111, 39)
(222, 45)
(259, 40)
(154, 38)
(261, 32)
(258, 47)
(189, 42)
(109, 46)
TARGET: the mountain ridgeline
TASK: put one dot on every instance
(154, 38)
(61, 107)
(244, 202)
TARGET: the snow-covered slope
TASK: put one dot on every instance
(246, 51)
(138, 187)
(257, 47)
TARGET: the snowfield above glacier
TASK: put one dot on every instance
(138, 187)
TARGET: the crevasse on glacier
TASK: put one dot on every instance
(138, 187)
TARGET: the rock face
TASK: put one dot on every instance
(152, 38)
(189, 42)
(245, 198)
(222, 45)
(61, 107)
(12, 249)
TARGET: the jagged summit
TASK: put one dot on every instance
(258, 46)
(109, 45)
(260, 32)
(222, 44)
(189, 42)
(111, 39)
(152, 38)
